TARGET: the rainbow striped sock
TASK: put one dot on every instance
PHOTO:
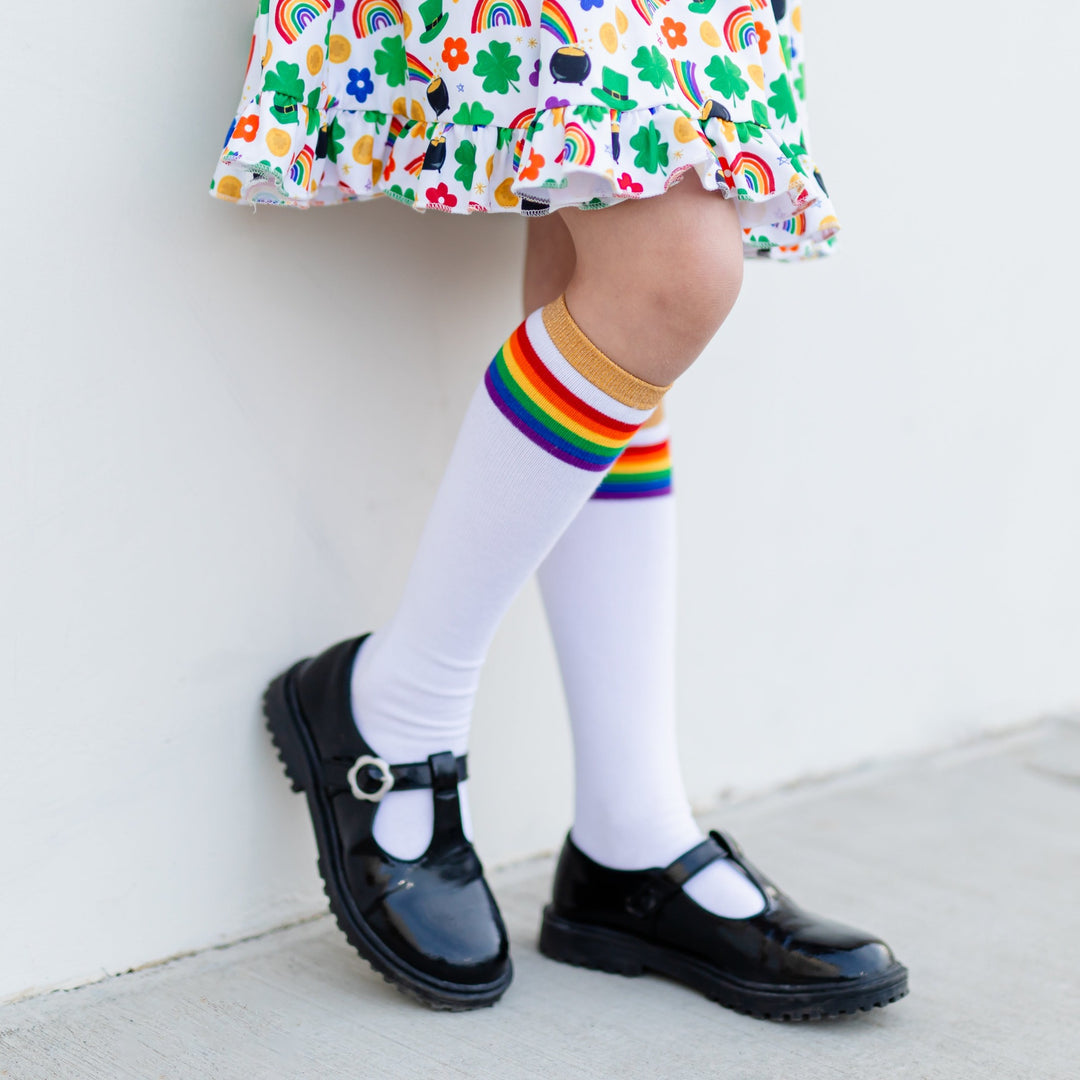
(642, 470)
(564, 394)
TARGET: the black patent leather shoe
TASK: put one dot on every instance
(428, 925)
(781, 964)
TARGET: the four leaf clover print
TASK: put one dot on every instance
(483, 106)
(498, 68)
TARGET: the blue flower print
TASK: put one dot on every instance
(586, 4)
(360, 84)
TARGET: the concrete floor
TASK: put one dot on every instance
(967, 862)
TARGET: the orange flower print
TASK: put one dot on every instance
(247, 127)
(454, 53)
(532, 170)
(441, 197)
(675, 32)
(763, 36)
(628, 183)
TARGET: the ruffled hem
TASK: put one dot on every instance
(588, 157)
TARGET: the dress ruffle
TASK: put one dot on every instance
(295, 142)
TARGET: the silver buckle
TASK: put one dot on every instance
(387, 778)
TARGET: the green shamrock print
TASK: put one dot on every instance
(593, 115)
(474, 115)
(497, 68)
(465, 156)
(761, 114)
(390, 61)
(794, 153)
(285, 84)
(726, 78)
(651, 149)
(335, 143)
(312, 104)
(654, 67)
(782, 103)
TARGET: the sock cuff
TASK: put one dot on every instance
(593, 365)
(642, 471)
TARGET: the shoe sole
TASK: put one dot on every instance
(619, 953)
(296, 750)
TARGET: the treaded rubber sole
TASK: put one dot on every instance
(296, 752)
(618, 953)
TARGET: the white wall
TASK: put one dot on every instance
(220, 431)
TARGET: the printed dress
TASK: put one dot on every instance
(526, 106)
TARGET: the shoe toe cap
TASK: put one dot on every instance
(454, 935)
(859, 962)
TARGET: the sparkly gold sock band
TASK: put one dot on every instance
(582, 355)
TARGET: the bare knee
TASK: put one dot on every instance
(691, 290)
(652, 287)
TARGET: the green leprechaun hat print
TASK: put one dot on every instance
(431, 11)
(613, 93)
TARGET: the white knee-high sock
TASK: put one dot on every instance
(549, 418)
(609, 591)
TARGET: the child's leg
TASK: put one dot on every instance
(616, 645)
(551, 415)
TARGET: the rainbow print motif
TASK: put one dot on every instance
(371, 16)
(756, 173)
(418, 71)
(796, 226)
(523, 119)
(514, 120)
(640, 472)
(647, 9)
(739, 32)
(300, 173)
(578, 147)
(492, 13)
(686, 80)
(549, 414)
(554, 20)
(293, 17)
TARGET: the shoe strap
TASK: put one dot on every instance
(447, 831)
(374, 777)
(667, 883)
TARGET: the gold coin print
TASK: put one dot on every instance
(685, 130)
(417, 112)
(340, 49)
(376, 170)
(608, 38)
(278, 142)
(729, 130)
(398, 108)
(757, 73)
(709, 34)
(504, 196)
(490, 166)
(361, 150)
(228, 187)
(620, 20)
(796, 19)
(408, 24)
(268, 53)
(315, 59)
